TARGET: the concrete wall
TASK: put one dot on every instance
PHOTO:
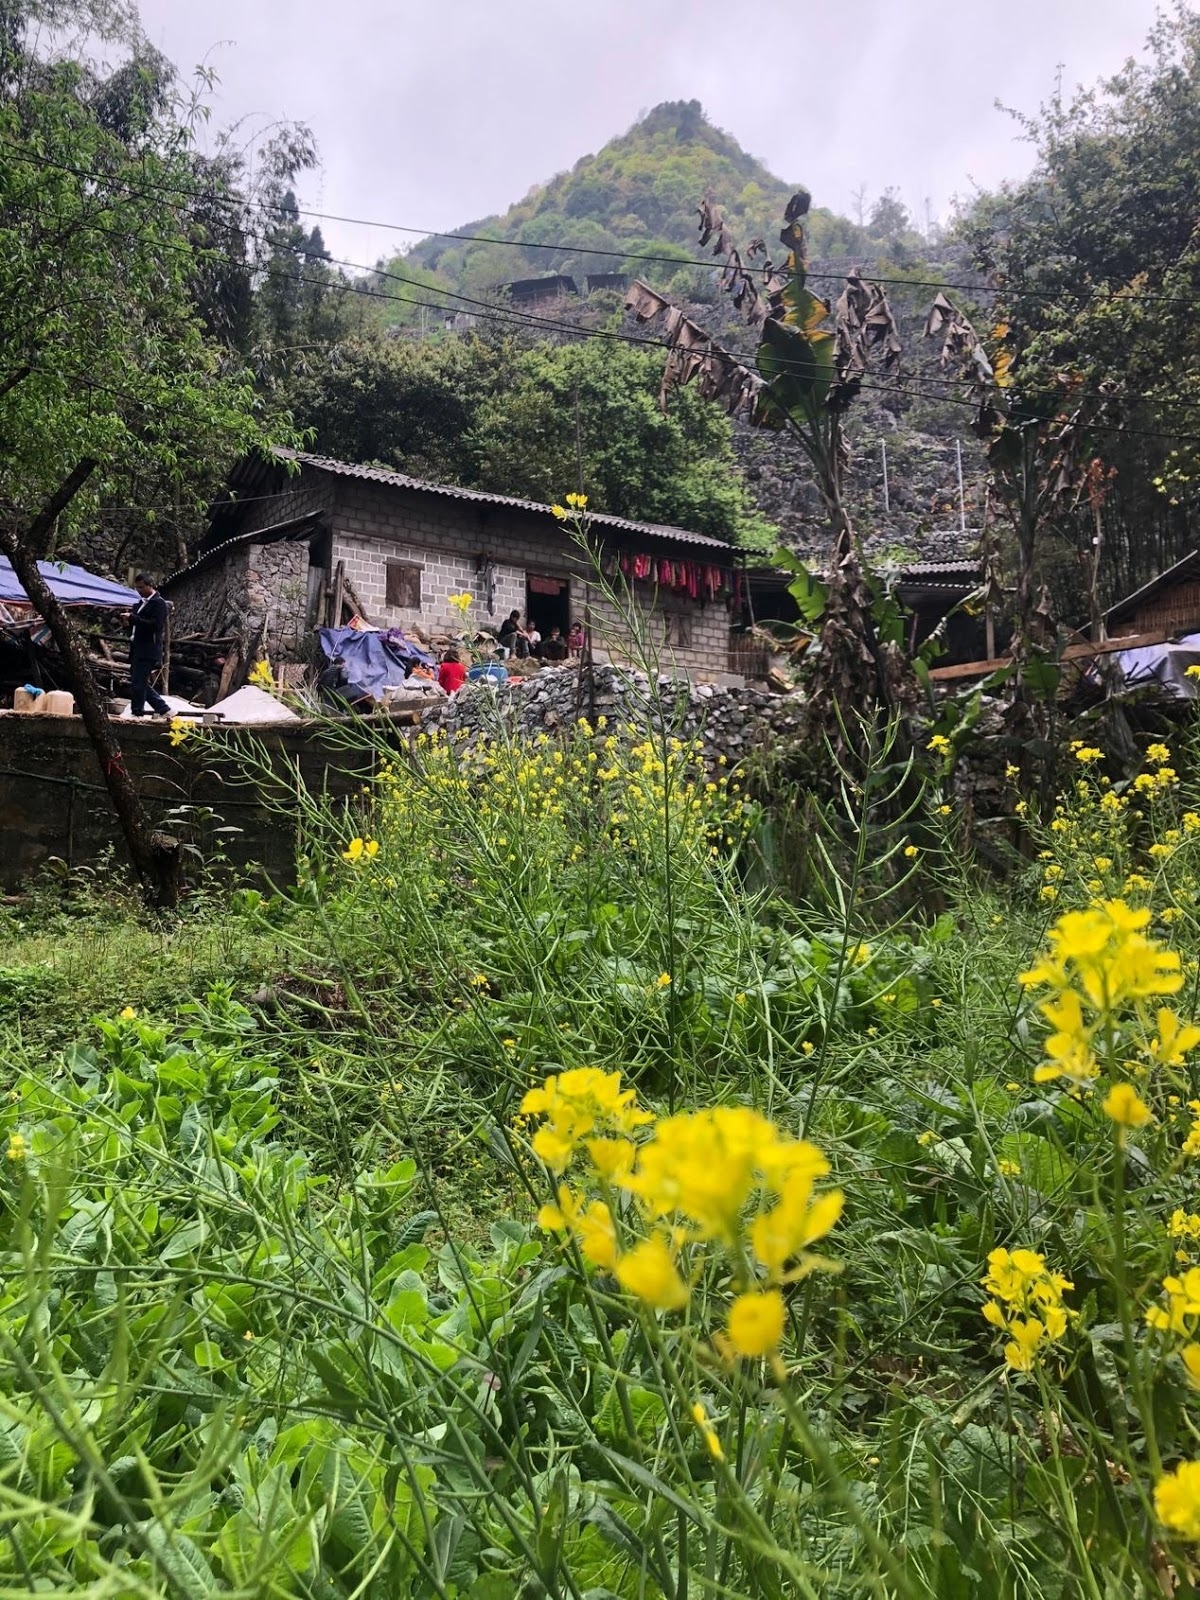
(448, 539)
(53, 801)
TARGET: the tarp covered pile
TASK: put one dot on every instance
(1164, 666)
(373, 659)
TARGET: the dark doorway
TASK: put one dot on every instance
(548, 603)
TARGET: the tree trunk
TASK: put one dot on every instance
(157, 857)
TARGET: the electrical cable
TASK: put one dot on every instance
(714, 264)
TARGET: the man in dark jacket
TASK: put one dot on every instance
(147, 623)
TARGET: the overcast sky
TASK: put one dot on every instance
(433, 115)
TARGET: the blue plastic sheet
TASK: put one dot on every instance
(373, 660)
(71, 586)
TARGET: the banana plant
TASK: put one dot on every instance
(809, 366)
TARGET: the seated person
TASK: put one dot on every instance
(575, 638)
(451, 673)
(338, 692)
(510, 637)
(555, 647)
(532, 637)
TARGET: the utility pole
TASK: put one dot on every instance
(578, 442)
(887, 499)
(962, 499)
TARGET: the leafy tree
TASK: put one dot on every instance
(405, 404)
(1097, 261)
(889, 216)
(591, 411)
(106, 369)
(495, 412)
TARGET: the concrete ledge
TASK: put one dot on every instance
(53, 801)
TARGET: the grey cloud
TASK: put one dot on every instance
(433, 116)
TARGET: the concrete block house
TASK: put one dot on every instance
(299, 541)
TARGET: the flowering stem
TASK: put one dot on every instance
(1066, 1494)
(1145, 1409)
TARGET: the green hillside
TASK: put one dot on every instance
(637, 194)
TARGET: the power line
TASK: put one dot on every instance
(912, 391)
(712, 264)
(513, 316)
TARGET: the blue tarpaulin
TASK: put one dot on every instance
(373, 660)
(71, 586)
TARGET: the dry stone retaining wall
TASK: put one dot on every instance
(730, 721)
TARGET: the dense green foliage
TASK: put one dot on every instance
(279, 1319)
(103, 355)
(1098, 264)
(499, 413)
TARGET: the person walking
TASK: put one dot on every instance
(147, 628)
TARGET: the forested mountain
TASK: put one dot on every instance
(638, 196)
(631, 209)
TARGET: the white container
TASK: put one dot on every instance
(57, 703)
(26, 702)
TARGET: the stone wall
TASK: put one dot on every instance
(731, 721)
(212, 601)
(252, 587)
(276, 596)
(53, 802)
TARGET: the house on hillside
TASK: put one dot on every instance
(530, 292)
(299, 541)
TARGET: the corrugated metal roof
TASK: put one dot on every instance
(1189, 567)
(941, 569)
(400, 480)
(277, 530)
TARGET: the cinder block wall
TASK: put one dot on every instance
(373, 524)
(446, 537)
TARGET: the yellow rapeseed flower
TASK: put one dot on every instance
(713, 1444)
(1126, 1107)
(1182, 1303)
(1177, 1497)
(128, 1014)
(17, 1149)
(649, 1272)
(756, 1322)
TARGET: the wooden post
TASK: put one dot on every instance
(339, 584)
(165, 674)
(355, 602)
